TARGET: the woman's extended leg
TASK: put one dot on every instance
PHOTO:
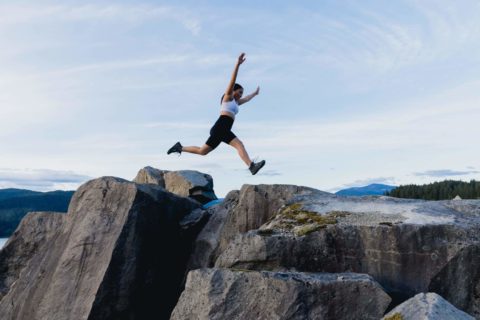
(203, 150)
(237, 144)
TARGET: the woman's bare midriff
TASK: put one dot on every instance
(225, 113)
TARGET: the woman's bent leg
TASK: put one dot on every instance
(203, 150)
(242, 152)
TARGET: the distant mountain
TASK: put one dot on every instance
(16, 203)
(12, 193)
(371, 189)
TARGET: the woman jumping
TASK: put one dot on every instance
(221, 130)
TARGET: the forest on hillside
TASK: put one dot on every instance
(16, 203)
(444, 190)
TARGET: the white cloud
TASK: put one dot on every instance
(30, 14)
(445, 173)
(40, 179)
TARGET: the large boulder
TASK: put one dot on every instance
(190, 183)
(206, 245)
(111, 258)
(150, 175)
(36, 232)
(185, 183)
(459, 280)
(427, 306)
(233, 294)
(241, 211)
(404, 244)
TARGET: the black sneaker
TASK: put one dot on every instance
(255, 167)
(176, 148)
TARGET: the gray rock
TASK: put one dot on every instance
(190, 183)
(427, 306)
(232, 294)
(403, 244)
(112, 257)
(185, 183)
(240, 211)
(206, 244)
(459, 280)
(34, 234)
(149, 175)
(256, 205)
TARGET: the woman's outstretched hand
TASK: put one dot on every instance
(241, 58)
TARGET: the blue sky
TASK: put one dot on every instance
(351, 92)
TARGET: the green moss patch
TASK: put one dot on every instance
(302, 222)
(395, 316)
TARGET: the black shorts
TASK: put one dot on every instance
(221, 131)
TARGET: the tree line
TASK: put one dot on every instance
(443, 190)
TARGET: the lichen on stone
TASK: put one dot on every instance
(395, 316)
(294, 218)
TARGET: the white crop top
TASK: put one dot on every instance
(230, 106)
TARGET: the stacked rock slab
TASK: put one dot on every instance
(242, 296)
(427, 306)
(185, 183)
(241, 211)
(212, 294)
(405, 245)
(111, 258)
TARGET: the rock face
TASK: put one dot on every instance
(185, 183)
(427, 306)
(408, 246)
(265, 252)
(459, 280)
(149, 175)
(34, 234)
(109, 258)
(225, 294)
(241, 211)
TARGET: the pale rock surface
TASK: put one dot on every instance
(427, 306)
(185, 183)
(405, 245)
(215, 294)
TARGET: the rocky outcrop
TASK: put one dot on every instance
(232, 294)
(34, 234)
(185, 183)
(206, 244)
(427, 306)
(406, 245)
(111, 258)
(459, 280)
(265, 252)
(240, 212)
(149, 175)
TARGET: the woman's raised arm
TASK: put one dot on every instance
(229, 92)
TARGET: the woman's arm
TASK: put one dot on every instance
(229, 92)
(249, 97)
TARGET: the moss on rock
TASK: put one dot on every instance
(302, 222)
(395, 316)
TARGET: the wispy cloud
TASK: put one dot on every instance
(40, 179)
(444, 173)
(28, 14)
